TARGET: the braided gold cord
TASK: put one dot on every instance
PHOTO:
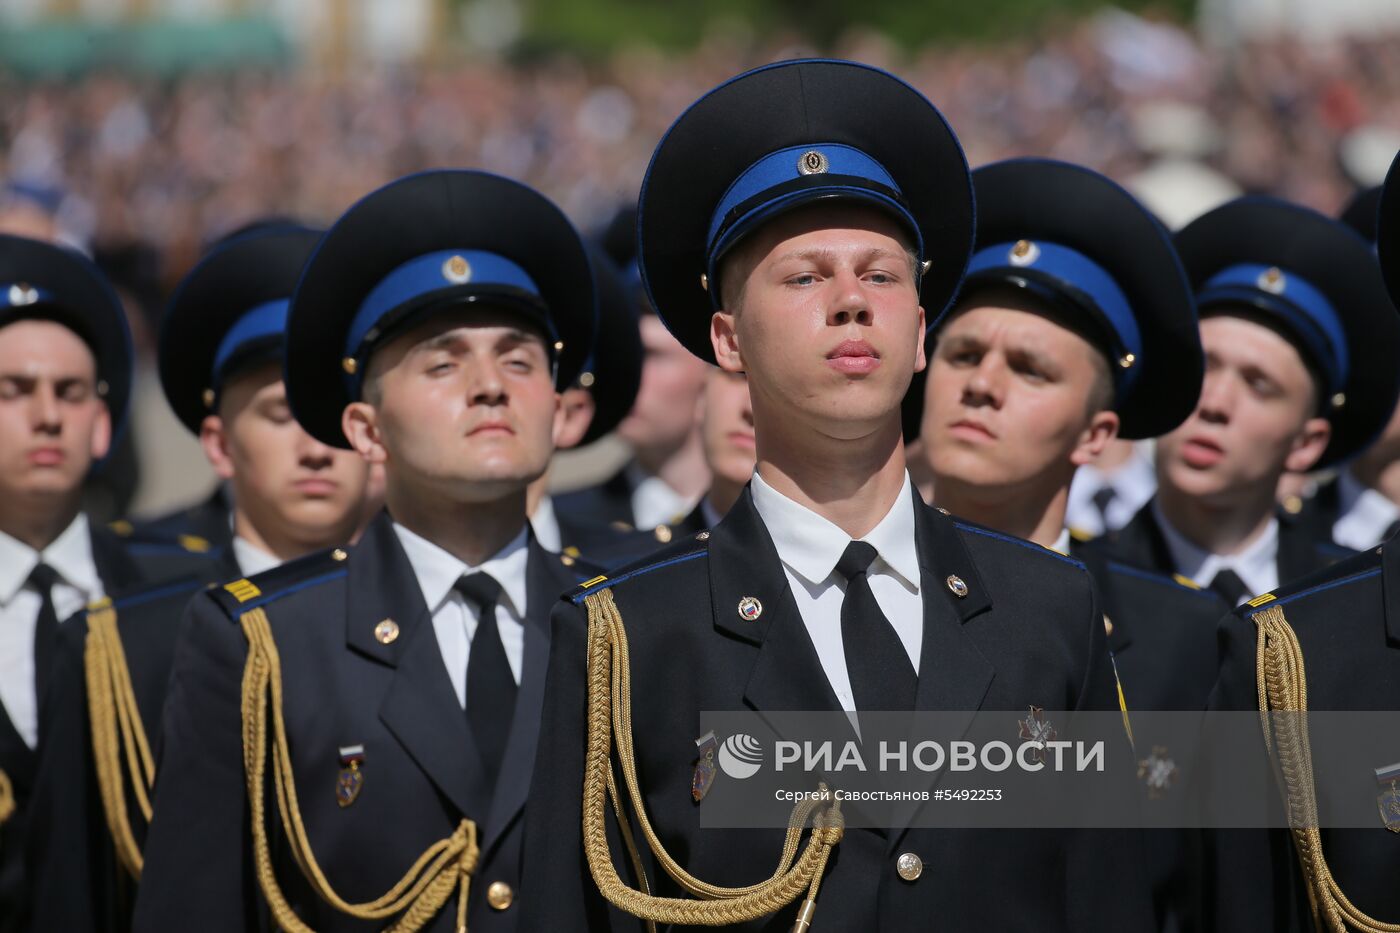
(116, 727)
(1283, 687)
(419, 895)
(609, 718)
(7, 797)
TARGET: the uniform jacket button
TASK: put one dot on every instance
(499, 895)
(909, 866)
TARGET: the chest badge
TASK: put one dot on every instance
(352, 776)
(1038, 731)
(704, 774)
(1389, 798)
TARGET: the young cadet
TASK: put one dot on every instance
(221, 367)
(65, 380)
(726, 429)
(1331, 642)
(1075, 325)
(790, 222)
(1300, 342)
(432, 330)
(667, 474)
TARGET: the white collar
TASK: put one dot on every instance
(1364, 514)
(654, 502)
(711, 515)
(437, 570)
(1256, 565)
(811, 545)
(251, 559)
(545, 524)
(1062, 543)
(70, 554)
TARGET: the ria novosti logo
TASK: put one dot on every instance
(741, 756)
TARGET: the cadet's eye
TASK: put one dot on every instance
(73, 391)
(9, 389)
(803, 278)
(881, 278)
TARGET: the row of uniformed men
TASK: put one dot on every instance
(808, 228)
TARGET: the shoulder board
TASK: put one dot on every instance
(143, 540)
(685, 551)
(970, 528)
(186, 586)
(238, 596)
(1174, 582)
(1285, 595)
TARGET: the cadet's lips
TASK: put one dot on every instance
(491, 428)
(971, 429)
(316, 486)
(1201, 452)
(853, 358)
(47, 456)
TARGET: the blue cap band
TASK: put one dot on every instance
(432, 272)
(20, 295)
(268, 319)
(1302, 307)
(1072, 270)
(791, 176)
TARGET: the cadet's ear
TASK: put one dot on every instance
(215, 443)
(573, 414)
(101, 441)
(725, 341)
(1095, 438)
(1309, 445)
(921, 358)
(360, 422)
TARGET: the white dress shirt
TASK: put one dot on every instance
(1256, 565)
(545, 525)
(1062, 543)
(251, 559)
(70, 555)
(454, 619)
(1364, 514)
(653, 502)
(1133, 484)
(809, 548)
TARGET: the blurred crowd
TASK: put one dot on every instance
(144, 172)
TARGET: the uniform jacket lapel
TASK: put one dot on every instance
(786, 673)
(420, 707)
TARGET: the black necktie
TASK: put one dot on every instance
(1228, 584)
(42, 578)
(491, 687)
(876, 663)
(1102, 498)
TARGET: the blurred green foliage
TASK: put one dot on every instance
(600, 25)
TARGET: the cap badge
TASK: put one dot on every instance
(813, 162)
(457, 270)
(22, 294)
(1023, 253)
(1272, 280)
(386, 631)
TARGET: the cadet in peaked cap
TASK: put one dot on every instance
(1339, 632)
(799, 223)
(65, 382)
(431, 330)
(221, 355)
(1075, 325)
(1300, 340)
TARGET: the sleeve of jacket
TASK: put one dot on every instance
(559, 891)
(198, 869)
(72, 870)
(1096, 855)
